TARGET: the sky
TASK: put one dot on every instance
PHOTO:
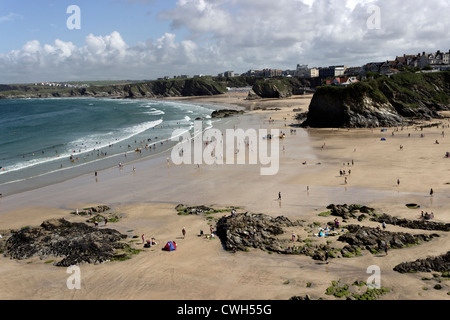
(47, 40)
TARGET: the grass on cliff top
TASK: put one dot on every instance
(410, 87)
(356, 92)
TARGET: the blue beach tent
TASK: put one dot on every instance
(170, 246)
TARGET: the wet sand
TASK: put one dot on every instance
(309, 180)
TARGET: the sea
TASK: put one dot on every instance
(44, 141)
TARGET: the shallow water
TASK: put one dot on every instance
(43, 141)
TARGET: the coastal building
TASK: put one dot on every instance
(304, 72)
(229, 74)
(438, 60)
(270, 73)
(288, 73)
(182, 76)
(331, 71)
(353, 71)
(342, 81)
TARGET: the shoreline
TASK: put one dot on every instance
(43, 179)
(201, 269)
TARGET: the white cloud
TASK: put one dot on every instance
(9, 17)
(102, 57)
(238, 35)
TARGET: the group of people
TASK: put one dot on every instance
(149, 243)
(426, 215)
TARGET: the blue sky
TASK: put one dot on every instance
(45, 20)
(146, 39)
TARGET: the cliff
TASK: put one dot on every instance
(384, 101)
(281, 87)
(149, 89)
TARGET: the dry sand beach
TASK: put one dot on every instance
(309, 180)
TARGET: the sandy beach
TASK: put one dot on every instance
(388, 170)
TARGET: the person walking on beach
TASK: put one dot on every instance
(398, 182)
(184, 232)
(386, 248)
(143, 238)
(279, 196)
(431, 192)
(326, 257)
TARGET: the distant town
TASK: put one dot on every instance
(344, 75)
(340, 75)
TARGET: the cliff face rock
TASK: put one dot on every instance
(280, 88)
(381, 102)
(272, 89)
(150, 89)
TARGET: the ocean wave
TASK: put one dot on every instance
(81, 147)
(155, 112)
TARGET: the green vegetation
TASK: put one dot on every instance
(337, 290)
(126, 253)
(345, 291)
(405, 89)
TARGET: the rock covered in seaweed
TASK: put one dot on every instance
(248, 230)
(440, 264)
(76, 243)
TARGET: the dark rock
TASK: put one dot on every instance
(76, 243)
(272, 88)
(348, 211)
(439, 264)
(375, 239)
(193, 209)
(224, 113)
(412, 224)
(247, 230)
(300, 298)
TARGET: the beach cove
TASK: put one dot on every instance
(383, 175)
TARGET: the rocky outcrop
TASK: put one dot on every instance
(182, 209)
(381, 102)
(272, 88)
(439, 264)
(328, 108)
(374, 239)
(281, 87)
(412, 224)
(247, 230)
(359, 212)
(349, 211)
(225, 113)
(75, 243)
